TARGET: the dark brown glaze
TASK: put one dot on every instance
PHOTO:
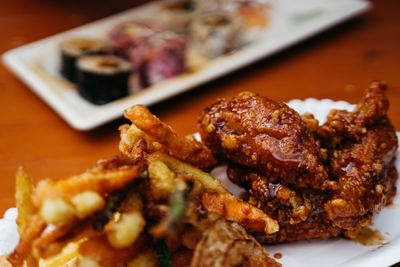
(311, 122)
(317, 224)
(280, 202)
(366, 176)
(356, 150)
(342, 124)
(300, 213)
(268, 136)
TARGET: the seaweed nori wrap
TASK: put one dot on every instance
(102, 78)
(72, 49)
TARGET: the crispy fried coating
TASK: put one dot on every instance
(183, 148)
(265, 135)
(23, 249)
(98, 248)
(316, 226)
(279, 201)
(342, 124)
(299, 212)
(262, 139)
(105, 176)
(236, 210)
(23, 193)
(361, 149)
(311, 122)
(366, 176)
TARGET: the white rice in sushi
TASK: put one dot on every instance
(215, 33)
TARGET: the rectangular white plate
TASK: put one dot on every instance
(37, 64)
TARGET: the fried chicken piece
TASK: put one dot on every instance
(361, 149)
(300, 213)
(356, 150)
(282, 203)
(317, 224)
(311, 122)
(366, 176)
(362, 163)
(342, 124)
(265, 135)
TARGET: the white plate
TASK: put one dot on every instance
(37, 64)
(313, 253)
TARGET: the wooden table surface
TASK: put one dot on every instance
(338, 64)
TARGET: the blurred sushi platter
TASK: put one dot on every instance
(90, 74)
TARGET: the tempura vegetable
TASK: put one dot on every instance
(183, 148)
(24, 188)
(234, 209)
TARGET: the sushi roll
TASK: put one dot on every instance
(130, 34)
(102, 79)
(253, 12)
(161, 58)
(72, 49)
(215, 33)
(175, 15)
(154, 55)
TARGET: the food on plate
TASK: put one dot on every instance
(24, 188)
(234, 209)
(266, 136)
(363, 153)
(181, 36)
(146, 206)
(155, 55)
(317, 181)
(234, 243)
(155, 204)
(161, 58)
(270, 196)
(215, 33)
(343, 125)
(181, 147)
(102, 78)
(175, 15)
(128, 34)
(253, 12)
(72, 49)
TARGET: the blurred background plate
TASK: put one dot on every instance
(37, 64)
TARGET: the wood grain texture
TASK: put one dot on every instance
(337, 64)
